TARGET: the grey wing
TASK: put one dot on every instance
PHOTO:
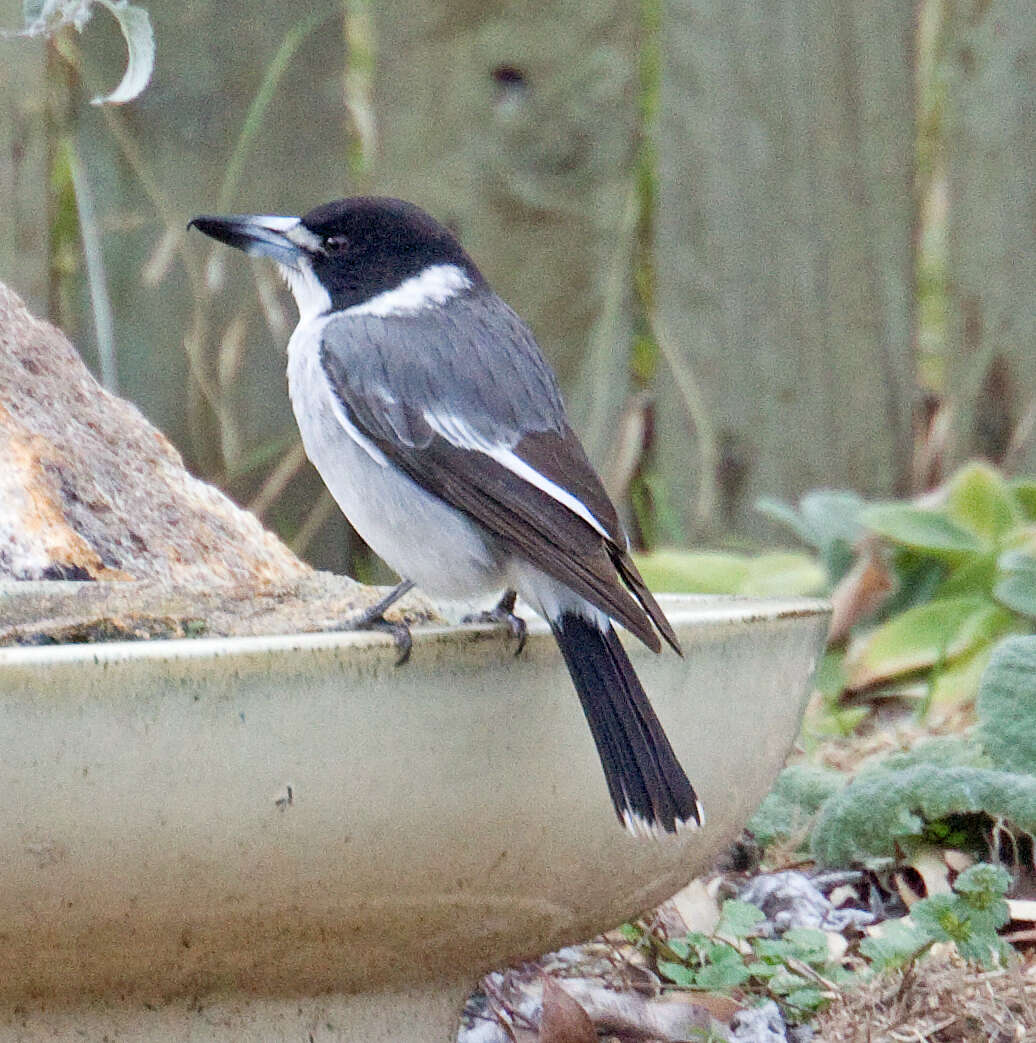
(463, 402)
(447, 363)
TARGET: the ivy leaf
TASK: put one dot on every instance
(807, 1000)
(738, 919)
(677, 973)
(808, 944)
(724, 974)
(896, 946)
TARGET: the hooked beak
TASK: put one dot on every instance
(285, 239)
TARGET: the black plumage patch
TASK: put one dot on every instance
(647, 785)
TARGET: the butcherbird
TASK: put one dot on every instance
(429, 411)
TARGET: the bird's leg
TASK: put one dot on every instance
(373, 618)
(503, 613)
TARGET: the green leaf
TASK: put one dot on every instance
(772, 950)
(983, 884)
(721, 952)
(918, 577)
(957, 682)
(1006, 705)
(946, 751)
(921, 637)
(827, 520)
(762, 969)
(942, 918)
(783, 574)
(1023, 492)
(738, 919)
(807, 1000)
(975, 575)
(924, 530)
(981, 502)
(722, 975)
(878, 810)
(896, 946)
(985, 948)
(631, 932)
(713, 572)
(786, 515)
(951, 918)
(140, 46)
(677, 973)
(791, 805)
(787, 981)
(1017, 588)
(693, 572)
(808, 945)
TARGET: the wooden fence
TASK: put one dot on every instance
(708, 211)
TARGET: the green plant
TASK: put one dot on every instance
(962, 572)
(790, 808)
(797, 969)
(721, 572)
(969, 918)
(906, 800)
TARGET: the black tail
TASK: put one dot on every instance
(647, 785)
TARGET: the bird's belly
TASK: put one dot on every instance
(419, 536)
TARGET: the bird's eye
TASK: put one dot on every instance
(335, 243)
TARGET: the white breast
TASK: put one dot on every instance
(418, 535)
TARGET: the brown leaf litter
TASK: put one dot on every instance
(940, 1000)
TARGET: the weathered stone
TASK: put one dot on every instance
(90, 490)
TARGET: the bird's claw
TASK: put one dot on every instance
(503, 615)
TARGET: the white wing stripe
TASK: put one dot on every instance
(459, 433)
(353, 432)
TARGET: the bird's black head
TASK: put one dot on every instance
(352, 249)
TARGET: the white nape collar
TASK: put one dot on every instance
(437, 284)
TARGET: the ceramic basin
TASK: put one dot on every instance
(255, 838)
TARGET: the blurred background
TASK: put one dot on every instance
(769, 247)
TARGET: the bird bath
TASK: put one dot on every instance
(260, 838)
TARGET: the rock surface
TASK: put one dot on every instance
(90, 490)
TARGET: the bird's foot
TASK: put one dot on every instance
(503, 614)
(373, 618)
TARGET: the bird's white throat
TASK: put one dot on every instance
(310, 296)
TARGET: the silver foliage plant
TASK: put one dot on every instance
(46, 17)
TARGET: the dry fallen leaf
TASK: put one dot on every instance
(861, 591)
(929, 863)
(697, 907)
(563, 1021)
